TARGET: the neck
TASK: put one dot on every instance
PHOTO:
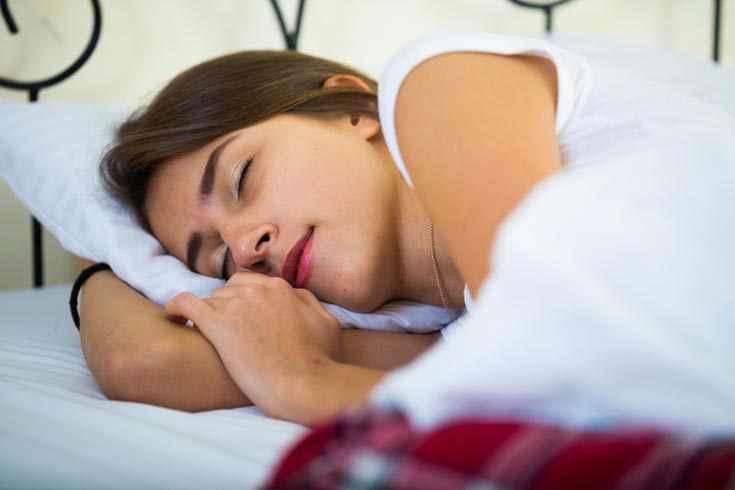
(417, 280)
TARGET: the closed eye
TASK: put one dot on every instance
(243, 177)
(225, 253)
(220, 261)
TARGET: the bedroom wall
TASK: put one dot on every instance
(145, 43)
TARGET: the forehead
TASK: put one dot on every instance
(171, 200)
(187, 168)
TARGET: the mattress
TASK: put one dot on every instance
(57, 429)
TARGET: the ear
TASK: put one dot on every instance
(349, 81)
(366, 127)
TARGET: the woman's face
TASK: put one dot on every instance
(308, 200)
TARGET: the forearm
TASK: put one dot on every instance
(332, 387)
(137, 354)
(321, 393)
(383, 351)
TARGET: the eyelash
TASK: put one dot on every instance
(240, 184)
(243, 176)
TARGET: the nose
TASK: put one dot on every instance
(250, 246)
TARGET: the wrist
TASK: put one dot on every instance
(76, 288)
(313, 396)
(99, 278)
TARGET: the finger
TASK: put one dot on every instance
(223, 292)
(307, 297)
(247, 284)
(215, 303)
(176, 318)
(245, 292)
(189, 307)
(242, 278)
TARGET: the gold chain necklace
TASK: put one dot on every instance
(436, 272)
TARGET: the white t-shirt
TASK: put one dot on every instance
(611, 298)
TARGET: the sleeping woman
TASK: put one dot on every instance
(570, 200)
(306, 207)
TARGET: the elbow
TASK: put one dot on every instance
(115, 375)
(132, 374)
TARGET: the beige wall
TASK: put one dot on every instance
(145, 42)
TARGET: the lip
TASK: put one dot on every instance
(297, 264)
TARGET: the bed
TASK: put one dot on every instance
(57, 429)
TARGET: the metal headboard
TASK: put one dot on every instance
(548, 9)
(33, 88)
(291, 40)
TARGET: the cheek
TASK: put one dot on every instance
(295, 189)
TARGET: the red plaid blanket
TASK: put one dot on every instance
(370, 449)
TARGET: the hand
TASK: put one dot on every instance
(267, 334)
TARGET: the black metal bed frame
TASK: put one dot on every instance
(33, 88)
(291, 39)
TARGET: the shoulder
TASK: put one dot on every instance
(466, 83)
(442, 74)
(488, 108)
(476, 132)
(437, 64)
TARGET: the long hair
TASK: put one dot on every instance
(217, 97)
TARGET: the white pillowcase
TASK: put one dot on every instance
(49, 155)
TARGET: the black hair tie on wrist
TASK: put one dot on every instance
(83, 276)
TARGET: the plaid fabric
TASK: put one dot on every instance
(370, 449)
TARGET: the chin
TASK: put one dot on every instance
(353, 285)
(359, 301)
(361, 306)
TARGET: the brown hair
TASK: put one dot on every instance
(217, 97)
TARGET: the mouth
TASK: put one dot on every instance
(297, 264)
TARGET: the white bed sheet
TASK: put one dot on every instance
(57, 429)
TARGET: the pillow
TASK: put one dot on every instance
(49, 154)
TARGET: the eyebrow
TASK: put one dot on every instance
(206, 185)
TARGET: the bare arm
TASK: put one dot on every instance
(137, 353)
(487, 137)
